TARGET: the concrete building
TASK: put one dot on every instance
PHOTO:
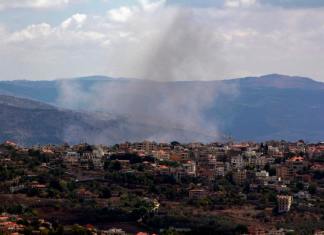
(197, 193)
(284, 173)
(237, 162)
(284, 203)
(239, 176)
(190, 168)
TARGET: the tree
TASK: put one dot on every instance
(272, 171)
(312, 188)
(174, 143)
(300, 186)
(170, 232)
(266, 149)
(79, 230)
(115, 166)
(105, 193)
(241, 229)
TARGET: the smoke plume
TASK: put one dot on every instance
(183, 48)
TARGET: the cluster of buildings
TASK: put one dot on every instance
(9, 224)
(292, 170)
(274, 165)
(15, 224)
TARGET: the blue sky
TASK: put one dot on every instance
(22, 16)
(47, 39)
(295, 3)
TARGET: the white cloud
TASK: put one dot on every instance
(32, 3)
(228, 42)
(31, 32)
(77, 20)
(239, 3)
(124, 13)
(121, 14)
(151, 5)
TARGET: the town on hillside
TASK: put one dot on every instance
(270, 188)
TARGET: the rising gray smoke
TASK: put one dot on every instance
(187, 49)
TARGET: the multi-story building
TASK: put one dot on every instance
(284, 173)
(220, 169)
(146, 146)
(256, 230)
(71, 158)
(261, 161)
(237, 162)
(296, 163)
(284, 203)
(190, 168)
(262, 176)
(239, 176)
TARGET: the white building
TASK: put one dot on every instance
(284, 203)
(237, 162)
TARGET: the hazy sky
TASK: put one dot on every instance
(208, 39)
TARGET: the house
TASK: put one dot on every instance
(261, 161)
(16, 188)
(146, 146)
(10, 143)
(237, 162)
(114, 231)
(163, 170)
(71, 158)
(190, 168)
(281, 188)
(161, 154)
(319, 232)
(197, 193)
(277, 232)
(284, 173)
(262, 177)
(207, 161)
(318, 167)
(97, 164)
(8, 225)
(296, 163)
(302, 195)
(284, 203)
(256, 230)
(85, 194)
(220, 170)
(38, 186)
(239, 176)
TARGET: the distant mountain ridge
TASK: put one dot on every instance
(29, 122)
(268, 107)
(280, 81)
(48, 91)
(25, 103)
